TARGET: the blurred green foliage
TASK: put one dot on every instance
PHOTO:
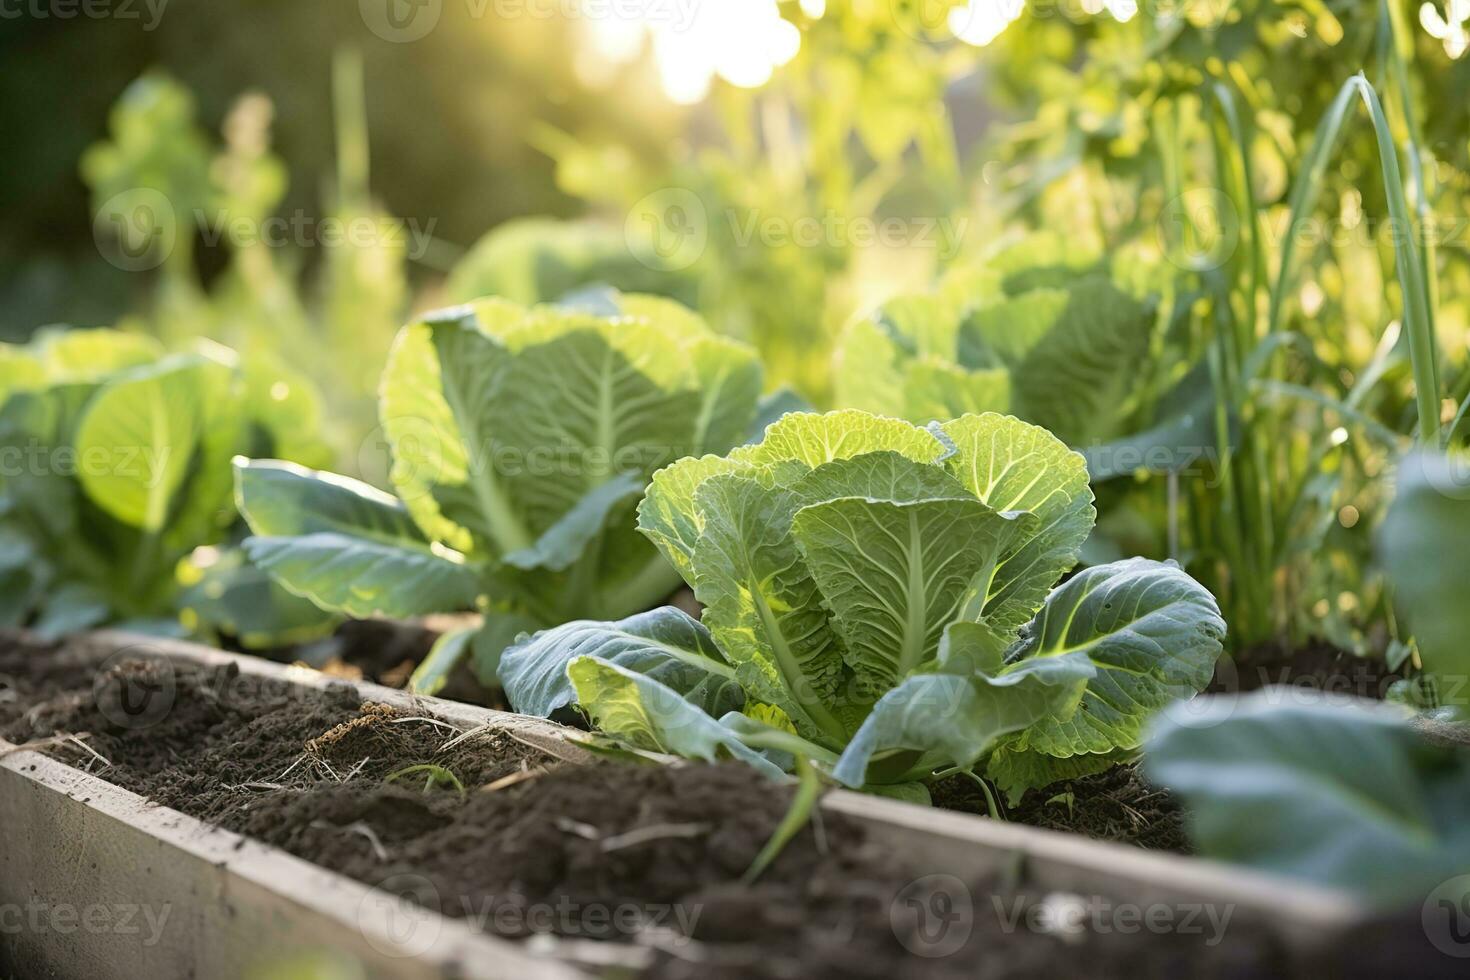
(449, 116)
(773, 205)
(114, 475)
(160, 187)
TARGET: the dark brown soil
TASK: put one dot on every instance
(382, 651)
(1117, 805)
(656, 855)
(385, 652)
(248, 754)
(643, 854)
(1317, 666)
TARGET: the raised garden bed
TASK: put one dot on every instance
(1118, 805)
(257, 809)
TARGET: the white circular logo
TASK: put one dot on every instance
(928, 20)
(415, 451)
(400, 21)
(133, 690)
(1199, 230)
(1446, 917)
(1447, 474)
(667, 230)
(933, 916)
(1209, 710)
(136, 229)
(400, 917)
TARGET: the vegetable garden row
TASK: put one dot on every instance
(1094, 601)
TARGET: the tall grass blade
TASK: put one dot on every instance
(1396, 49)
(1408, 263)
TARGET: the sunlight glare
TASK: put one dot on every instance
(740, 41)
(1448, 27)
(982, 21)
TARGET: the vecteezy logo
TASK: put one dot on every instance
(668, 229)
(135, 230)
(134, 692)
(1199, 230)
(416, 450)
(1445, 917)
(925, 20)
(1448, 474)
(400, 917)
(1208, 710)
(933, 916)
(400, 21)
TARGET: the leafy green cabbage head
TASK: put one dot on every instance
(521, 442)
(883, 597)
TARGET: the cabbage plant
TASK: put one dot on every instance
(883, 599)
(536, 260)
(1346, 793)
(1424, 547)
(1024, 334)
(114, 475)
(521, 442)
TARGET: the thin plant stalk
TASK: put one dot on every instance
(1407, 259)
(1396, 49)
(797, 815)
